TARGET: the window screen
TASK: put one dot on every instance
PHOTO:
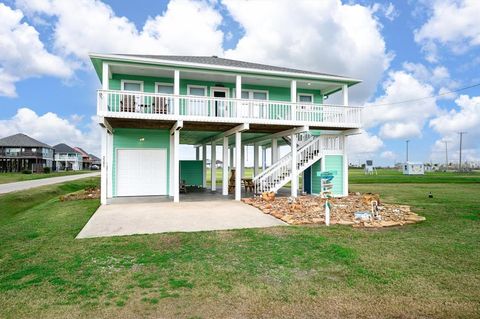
(132, 86)
(259, 95)
(305, 98)
(165, 89)
(197, 91)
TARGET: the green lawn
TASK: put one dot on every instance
(18, 177)
(427, 270)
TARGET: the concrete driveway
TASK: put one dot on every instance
(151, 218)
(18, 186)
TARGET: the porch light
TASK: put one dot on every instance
(141, 139)
(309, 83)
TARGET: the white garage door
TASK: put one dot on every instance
(141, 172)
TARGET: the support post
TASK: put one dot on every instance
(176, 91)
(176, 166)
(105, 75)
(345, 166)
(204, 158)
(238, 156)
(170, 169)
(264, 158)
(103, 173)
(213, 166)
(225, 166)
(255, 159)
(243, 162)
(197, 153)
(232, 164)
(274, 150)
(294, 183)
(109, 165)
(238, 94)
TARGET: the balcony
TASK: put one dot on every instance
(150, 106)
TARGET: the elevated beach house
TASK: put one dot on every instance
(67, 158)
(149, 105)
(20, 152)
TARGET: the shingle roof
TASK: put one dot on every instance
(21, 140)
(214, 60)
(93, 157)
(80, 150)
(63, 148)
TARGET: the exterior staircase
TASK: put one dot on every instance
(310, 150)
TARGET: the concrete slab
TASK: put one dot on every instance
(160, 217)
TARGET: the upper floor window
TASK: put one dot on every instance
(254, 95)
(130, 85)
(305, 98)
(164, 88)
(197, 90)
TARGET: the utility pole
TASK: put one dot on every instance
(407, 148)
(460, 157)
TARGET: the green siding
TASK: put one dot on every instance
(128, 138)
(191, 172)
(332, 163)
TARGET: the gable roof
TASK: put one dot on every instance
(93, 157)
(81, 151)
(63, 148)
(21, 140)
(214, 61)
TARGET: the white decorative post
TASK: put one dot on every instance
(238, 166)
(204, 158)
(176, 166)
(264, 158)
(345, 94)
(294, 183)
(293, 99)
(225, 166)
(255, 159)
(213, 166)
(103, 173)
(242, 171)
(176, 91)
(345, 166)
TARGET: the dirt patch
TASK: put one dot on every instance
(87, 193)
(358, 210)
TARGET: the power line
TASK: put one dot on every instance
(427, 97)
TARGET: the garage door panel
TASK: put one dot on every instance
(141, 172)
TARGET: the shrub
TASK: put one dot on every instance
(26, 171)
(47, 170)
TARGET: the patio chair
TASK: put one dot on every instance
(160, 105)
(127, 104)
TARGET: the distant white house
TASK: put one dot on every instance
(66, 158)
(413, 168)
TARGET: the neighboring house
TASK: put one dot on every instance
(67, 158)
(150, 104)
(86, 161)
(95, 160)
(21, 152)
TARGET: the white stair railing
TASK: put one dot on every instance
(280, 173)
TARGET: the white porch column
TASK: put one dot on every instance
(213, 165)
(293, 98)
(105, 76)
(176, 166)
(176, 91)
(345, 166)
(238, 166)
(204, 158)
(109, 165)
(243, 161)
(264, 158)
(232, 164)
(238, 93)
(274, 150)
(170, 169)
(225, 166)
(255, 159)
(294, 183)
(103, 173)
(197, 153)
(345, 94)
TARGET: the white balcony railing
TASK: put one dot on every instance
(157, 106)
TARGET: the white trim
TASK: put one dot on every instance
(305, 94)
(221, 67)
(122, 85)
(164, 84)
(189, 86)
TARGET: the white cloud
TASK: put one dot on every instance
(46, 129)
(23, 55)
(453, 24)
(466, 118)
(186, 27)
(405, 119)
(327, 36)
(364, 143)
(389, 155)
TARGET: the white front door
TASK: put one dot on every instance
(141, 172)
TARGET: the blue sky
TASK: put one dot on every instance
(403, 50)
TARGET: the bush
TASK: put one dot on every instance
(47, 170)
(26, 171)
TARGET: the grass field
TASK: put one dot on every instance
(427, 270)
(18, 177)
